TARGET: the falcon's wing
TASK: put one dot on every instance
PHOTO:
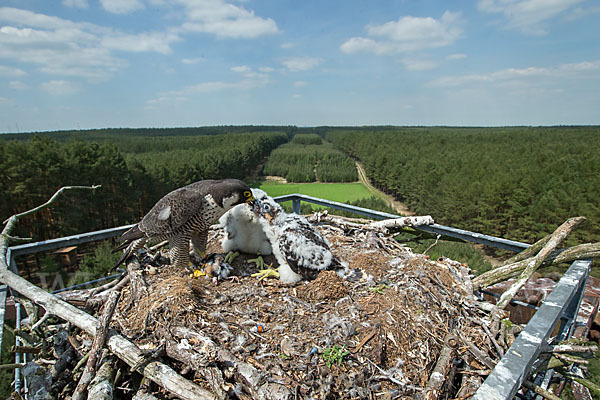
(303, 247)
(175, 209)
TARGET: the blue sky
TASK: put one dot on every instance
(79, 64)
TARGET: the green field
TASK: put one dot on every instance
(341, 192)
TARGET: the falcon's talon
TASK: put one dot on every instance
(266, 273)
(260, 263)
(231, 256)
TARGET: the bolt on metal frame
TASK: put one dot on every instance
(505, 380)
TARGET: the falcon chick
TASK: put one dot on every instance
(186, 214)
(243, 229)
(301, 251)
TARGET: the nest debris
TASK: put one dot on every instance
(390, 334)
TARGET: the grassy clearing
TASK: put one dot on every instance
(341, 192)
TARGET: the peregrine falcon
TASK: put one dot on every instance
(298, 247)
(186, 214)
(243, 229)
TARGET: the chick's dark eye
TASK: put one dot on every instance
(267, 207)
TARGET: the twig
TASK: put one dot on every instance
(542, 392)
(90, 368)
(572, 348)
(437, 239)
(13, 219)
(579, 252)
(364, 341)
(480, 355)
(41, 321)
(533, 263)
(442, 366)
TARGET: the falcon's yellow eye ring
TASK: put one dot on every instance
(247, 193)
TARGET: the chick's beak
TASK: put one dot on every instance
(256, 206)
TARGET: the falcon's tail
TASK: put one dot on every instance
(131, 249)
(132, 240)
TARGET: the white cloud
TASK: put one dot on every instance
(17, 85)
(10, 71)
(63, 47)
(300, 84)
(296, 64)
(527, 16)
(456, 56)
(287, 45)
(191, 61)
(407, 34)
(582, 70)
(250, 79)
(419, 64)
(241, 69)
(60, 87)
(121, 6)
(75, 3)
(158, 42)
(266, 69)
(225, 20)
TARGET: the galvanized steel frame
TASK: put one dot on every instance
(504, 381)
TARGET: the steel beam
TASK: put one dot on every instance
(74, 240)
(510, 372)
(435, 228)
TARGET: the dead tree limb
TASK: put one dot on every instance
(396, 223)
(101, 386)
(13, 219)
(533, 263)
(579, 252)
(572, 348)
(542, 392)
(442, 366)
(90, 368)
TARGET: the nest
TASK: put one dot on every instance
(380, 335)
(327, 338)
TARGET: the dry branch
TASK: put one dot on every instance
(542, 392)
(101, 386)
(440, 372)
(533, 263)
(499, 274)
(97, 345)
(572, 348)
(395, 223)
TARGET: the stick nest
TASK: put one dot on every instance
(388, 327)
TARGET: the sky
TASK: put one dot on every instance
(84, 64)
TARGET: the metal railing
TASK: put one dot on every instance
(561, 306)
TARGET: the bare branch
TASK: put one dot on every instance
(50, 201)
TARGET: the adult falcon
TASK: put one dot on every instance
(186, 214)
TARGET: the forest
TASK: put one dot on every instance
(518, 182)
(306, 158)
(135, 170)
(514, 182)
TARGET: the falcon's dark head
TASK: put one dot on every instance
(231, 192)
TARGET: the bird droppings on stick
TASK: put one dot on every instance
(406, 326)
